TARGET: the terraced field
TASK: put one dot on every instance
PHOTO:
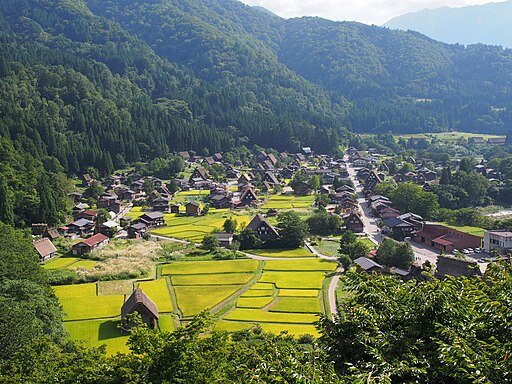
(281, 253)
(289, 202)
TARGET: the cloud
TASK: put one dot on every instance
(365, 11)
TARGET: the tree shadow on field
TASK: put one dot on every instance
(109, 330)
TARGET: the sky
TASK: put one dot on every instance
(365, 11)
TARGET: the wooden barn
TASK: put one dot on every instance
(140, 302)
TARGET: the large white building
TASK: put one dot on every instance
(500, 241)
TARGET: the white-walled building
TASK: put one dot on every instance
(500, 241)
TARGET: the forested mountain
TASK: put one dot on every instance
(104, 83)
(487, 23)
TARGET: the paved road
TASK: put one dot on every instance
(421, 251)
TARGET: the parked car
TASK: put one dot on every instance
(478, 250)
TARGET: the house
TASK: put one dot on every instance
(87, 180)
(86, 214)
(451, 266)
(270, 178)
(399, 229)
(497, 140)
(185, 155)
(94, 242)
(248, 197)
(446, 239)
(476, 140)
(45, 248)
(263, 228)
(136, 231)
(53, 234)
(81, 227)
(499, 241)
(109, 227)
(39, 229)
(199, 173)
(151, 219)
(225, 239)
(140, 302)
(354, 223)
(160, 204)
(193, 208)
(367, 265)
(175, 208)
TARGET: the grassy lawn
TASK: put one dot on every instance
(299, 292)
(207, 267)
(300, 265)
(213, 279)
(243, 314)
(298, 252)
(297, 305)
(192, 300)
(289, 202)
(466, 229)
(94, 333)
(60, 263)
(158, 291)
(292, 280)
(81, 303)
(253, 302)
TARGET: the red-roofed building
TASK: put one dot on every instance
(447, 239)
(94, 242)
(85, 214)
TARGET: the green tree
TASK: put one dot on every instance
(292, 229)
(230, 225)
(210, 242)
(6, 203)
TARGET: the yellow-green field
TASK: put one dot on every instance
(195, 228)
(87, 264)
(466, 229)
(213, 279)
(253, 302)
(277, 328)
(60, 263)
(297, 305)
(294, 280)
(446, 136)
(194, 299)
(94, 333)
(81, 303)
(259, 316)
(299, 292)
(300, 265)
(207, 267)
(289, 202)
(158, 291)
(291, 253)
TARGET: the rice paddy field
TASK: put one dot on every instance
(60, 263)
(277, 295)
(446, 136)
(194, 228)
(289, 202)
(331, 247)
(280, 253)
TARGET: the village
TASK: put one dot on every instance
(234, 215)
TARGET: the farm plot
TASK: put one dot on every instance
(158, 291)
(255, 315)
(80, 302)
(258, 293)
(213, 279)
(297, 305)
(277, 328)
(86, 264)
(289, 202)
(94, 333)
(194, 299)
(294, 280)
(207, 267)
(166, 323)
(282, 253)
(253, 302)
(300, 265)
(194, 228)
(60, 263)
(299, 293)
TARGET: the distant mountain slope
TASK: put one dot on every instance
(487, 24)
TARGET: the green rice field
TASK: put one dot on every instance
(253, 302)
(213, 279)
(294, 280)
(255, 315)
(277, 328)
(299, 293)
(81, 303)
(194, 299)
(207, 267)
(60, 263)
(281, 253)
(297, 305)
(158, 291)
(94, 333)
(289, 202)
(300, 265)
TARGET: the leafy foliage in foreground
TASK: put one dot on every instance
(437, 331)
